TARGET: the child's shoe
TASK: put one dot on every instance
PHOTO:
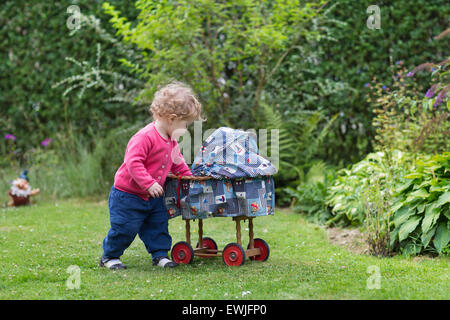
(164, 262)
(113, 263)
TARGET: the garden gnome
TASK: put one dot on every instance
(20, 191)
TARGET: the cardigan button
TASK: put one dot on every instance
(162, 166)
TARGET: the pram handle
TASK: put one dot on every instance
(171, 175)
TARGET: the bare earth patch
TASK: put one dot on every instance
(351, 239)
(355, 241)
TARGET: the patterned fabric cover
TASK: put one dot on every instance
(231, 153)
(250, 197)
(242, 186)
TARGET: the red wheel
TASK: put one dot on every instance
(208, 243)
(233, 255)
(264, 247)
(182, 252)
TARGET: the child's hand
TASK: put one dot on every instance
(155, 190)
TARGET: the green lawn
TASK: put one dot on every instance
(39, 243)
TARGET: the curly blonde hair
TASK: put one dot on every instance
(176, 98)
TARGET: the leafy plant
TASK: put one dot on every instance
(377, 202)
(121, 87)
(299, 140)
(299, 137)
(421, 209)
(309, 197)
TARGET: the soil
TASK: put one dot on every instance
(355, 241)
(351, 239)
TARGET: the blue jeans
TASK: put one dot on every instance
(131, 215)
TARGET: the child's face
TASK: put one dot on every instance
(177, 128)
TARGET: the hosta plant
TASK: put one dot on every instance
(421, 208)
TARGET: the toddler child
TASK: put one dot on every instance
(136, 200)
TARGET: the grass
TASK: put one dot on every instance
(39, 243)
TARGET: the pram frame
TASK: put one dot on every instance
(252, 252)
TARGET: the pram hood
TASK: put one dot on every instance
(231, 153)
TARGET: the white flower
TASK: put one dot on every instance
(244, 293)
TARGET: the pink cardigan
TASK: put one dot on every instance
(148, 159)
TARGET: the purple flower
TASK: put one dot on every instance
(384, 87)
(410, 74)
(10, 137)
(398, 62)
(439, 98)
(430, 92)
(46, 142)
(367, 85)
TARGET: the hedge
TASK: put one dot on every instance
(34, 41)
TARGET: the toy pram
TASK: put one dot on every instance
(241, 197)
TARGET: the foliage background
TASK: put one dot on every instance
(35, 41)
